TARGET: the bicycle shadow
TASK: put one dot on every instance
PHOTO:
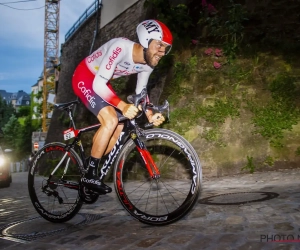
(238, 198)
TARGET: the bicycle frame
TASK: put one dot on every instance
(130, 131)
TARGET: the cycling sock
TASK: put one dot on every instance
(91, 178)
(93, 166)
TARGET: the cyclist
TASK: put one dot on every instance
(118, 57)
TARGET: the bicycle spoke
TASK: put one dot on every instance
(171, 194)
(169, 197)
(172, 187)
(54, 183)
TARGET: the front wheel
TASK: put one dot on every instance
(166, 199)
(53, 182)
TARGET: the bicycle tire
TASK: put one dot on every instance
(173, 195)
(56, 198)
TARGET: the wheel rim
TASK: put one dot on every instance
(159, 200)
(57, 197)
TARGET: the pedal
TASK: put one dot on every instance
(88, 196)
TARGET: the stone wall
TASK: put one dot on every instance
(272, 18)
(79, 46)
(267, 19)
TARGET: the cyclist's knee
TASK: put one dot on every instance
(108, 118)
(110, 123)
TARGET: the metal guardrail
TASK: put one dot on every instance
(88, 12)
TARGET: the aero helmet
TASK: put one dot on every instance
(153, 29)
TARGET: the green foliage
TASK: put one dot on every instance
(250, 166)
(176, 17)
(234, 28)
(192, 65)
(37, 104)
(284, 89)
(182, 119)
(217, 113)
(175, 89)
(11, 131)
(23, 111)
(279, 114)
(39, 108)
(39, 95)
(272, 119)
(24, 138)
(269, 161)
(236, 73)
(183, 114)
(213, 135)
(297, 151)
(185, 117)
(181, 72)
(6, 111)
(227, 26)
(21, 120)
(17, 136)
(243, 85)
(36, 124)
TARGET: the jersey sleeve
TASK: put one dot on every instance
(142, 81)
(106, 70)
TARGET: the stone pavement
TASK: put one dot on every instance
(247, 211)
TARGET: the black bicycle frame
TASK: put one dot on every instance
(130, 130)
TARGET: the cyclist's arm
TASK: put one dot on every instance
(106, 70)
(142, 81)
(143, 78)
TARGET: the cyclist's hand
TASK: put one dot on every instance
(130, 111)
(156, 119)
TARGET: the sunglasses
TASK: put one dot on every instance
(161, 46)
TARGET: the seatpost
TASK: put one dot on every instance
(71, 117)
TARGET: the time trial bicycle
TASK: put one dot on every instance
(157, 174)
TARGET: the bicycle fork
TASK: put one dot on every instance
(147, 158)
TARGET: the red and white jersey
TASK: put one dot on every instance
(112, 60)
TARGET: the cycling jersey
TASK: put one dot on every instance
(110, 61)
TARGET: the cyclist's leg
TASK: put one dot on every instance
(114, 138)
(82, 83)
(109, 122)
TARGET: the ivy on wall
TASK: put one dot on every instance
(211, 65)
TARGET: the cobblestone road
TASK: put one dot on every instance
(249, 211)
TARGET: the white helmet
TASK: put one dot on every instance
(153, 29)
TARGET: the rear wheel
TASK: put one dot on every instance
(53, 182)
(168, 198)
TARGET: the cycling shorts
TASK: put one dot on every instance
(82, 83)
